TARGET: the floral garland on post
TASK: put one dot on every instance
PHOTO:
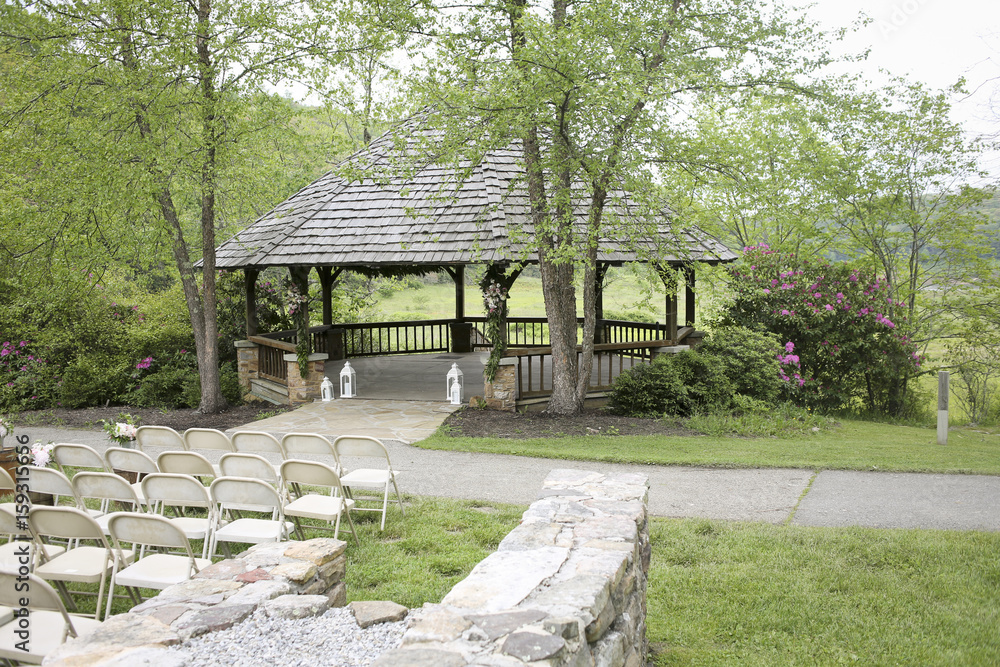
(297, 308)
(495, 300)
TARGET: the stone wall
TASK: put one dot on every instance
(305, 389)
(290, 579)
(566, 587)
(247, 363)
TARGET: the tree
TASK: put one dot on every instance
(597, 94)
(907, 203)
(149, 118)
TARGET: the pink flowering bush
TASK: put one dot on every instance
(26, 381)
(844, 340)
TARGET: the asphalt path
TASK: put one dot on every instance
(800, 497)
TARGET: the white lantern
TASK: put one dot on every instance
(326, 390)
(348, 381)
(454, 384)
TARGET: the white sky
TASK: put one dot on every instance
(934, 41)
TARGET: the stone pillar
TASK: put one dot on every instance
(461, 336)
(501, 394)
(305, 390)
(248, 362)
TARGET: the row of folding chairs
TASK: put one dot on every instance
(226, 497)
(375, 472)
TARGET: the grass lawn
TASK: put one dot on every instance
(740, 593)
(853, 445)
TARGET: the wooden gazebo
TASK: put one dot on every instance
(427, 220)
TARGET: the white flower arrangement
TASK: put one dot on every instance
(6, 428)
(41, 454)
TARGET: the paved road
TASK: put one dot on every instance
(801, 497)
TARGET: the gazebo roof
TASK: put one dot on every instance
(423, 218)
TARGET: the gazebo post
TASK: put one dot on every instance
(689, 295)
(300, 278)
(599, 329)
(669, 279)
(325, 274)
(250, 283)
(459, 330)
(459, 277)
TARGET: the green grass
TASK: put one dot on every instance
(853, 445)
(733, 593)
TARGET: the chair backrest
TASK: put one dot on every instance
(6, 481)
(314, 473)
(104, 485)
(245, 493)
(360, 445)
(248, 465)
(77, 456)
(207, 438)
(48, 480)
(307, 444)
(65, 522)
(9, 524)
(43, 598)
(185, 463)
(150, 530)
(158, 436)
(129, 460)
(255, 442)
(174, 489)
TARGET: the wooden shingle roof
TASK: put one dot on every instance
(426, 217)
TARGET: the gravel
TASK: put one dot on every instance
(331, 639)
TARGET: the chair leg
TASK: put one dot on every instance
(399, 497)
(350, 521)
(385, 504)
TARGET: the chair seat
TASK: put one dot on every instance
(48, 630)
(158, 571)
(6, 614)
(317, 507)
(252, 531)
(81, 565)
(10, 554)
(366, 477)
(194, 528)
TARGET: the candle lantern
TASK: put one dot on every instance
(326, 390)
(348, 381)
(454, 383)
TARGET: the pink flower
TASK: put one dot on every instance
(829, 307)
(767, 291)
(785, 312)
(789, 347)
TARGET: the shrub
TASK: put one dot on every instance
(845, 340)
(749, 359)
(672, 385)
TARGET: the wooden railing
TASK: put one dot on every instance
(534, 365)
(527, 332)
(371, 339)
(271, 360)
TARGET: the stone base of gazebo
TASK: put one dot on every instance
(276, 378)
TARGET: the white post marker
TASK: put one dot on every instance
(942, 430)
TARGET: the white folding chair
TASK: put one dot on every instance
(248, 465)
(22, 544)
(186, 463)
(327, 508)
(72, 455)
(376, 478)
(134, 461)
(7, 486)
(53, 482)
(261, 443)
(311, 447)
(164, 490)
(161, 437)
(83, 564)
(242, 493)
(200, 439)
(50, 623)
(157, 570)
(106, 487)
(257, 442)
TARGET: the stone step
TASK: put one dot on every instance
(270, 391)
